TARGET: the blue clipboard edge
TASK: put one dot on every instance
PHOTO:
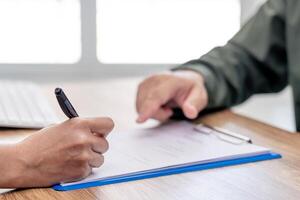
(166, 172)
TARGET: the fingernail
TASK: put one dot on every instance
(192, 111)
(140, 119)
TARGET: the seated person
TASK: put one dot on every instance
(60, 153)
(262, 57)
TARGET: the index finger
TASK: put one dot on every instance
(100, 125)
(147, 109)
(151, 100)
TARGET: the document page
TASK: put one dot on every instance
(172, 144)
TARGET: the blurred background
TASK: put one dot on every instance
(77, 40)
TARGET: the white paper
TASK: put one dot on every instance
(176, 143)
(5, 190)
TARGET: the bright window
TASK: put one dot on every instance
(40, 31)
(163, 31)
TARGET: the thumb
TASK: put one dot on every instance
(195, 102)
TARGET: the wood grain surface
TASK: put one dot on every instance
(276, 179)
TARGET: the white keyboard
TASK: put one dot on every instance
(22, 105)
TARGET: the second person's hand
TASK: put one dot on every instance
(159, 94)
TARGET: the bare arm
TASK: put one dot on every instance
(60, 153)
(10, 165)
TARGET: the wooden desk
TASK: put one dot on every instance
(277, 179)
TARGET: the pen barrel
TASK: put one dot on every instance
(65, 104)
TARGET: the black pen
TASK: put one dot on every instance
(65, 104)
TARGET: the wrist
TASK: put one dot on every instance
(191, 74)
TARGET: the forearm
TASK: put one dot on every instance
(232, 75)
(11, 169)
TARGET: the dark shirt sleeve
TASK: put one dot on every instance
(253, 61)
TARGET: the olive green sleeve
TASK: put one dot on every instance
(253, 61)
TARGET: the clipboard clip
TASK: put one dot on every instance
(222, 134)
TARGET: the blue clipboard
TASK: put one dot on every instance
(167, 171)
